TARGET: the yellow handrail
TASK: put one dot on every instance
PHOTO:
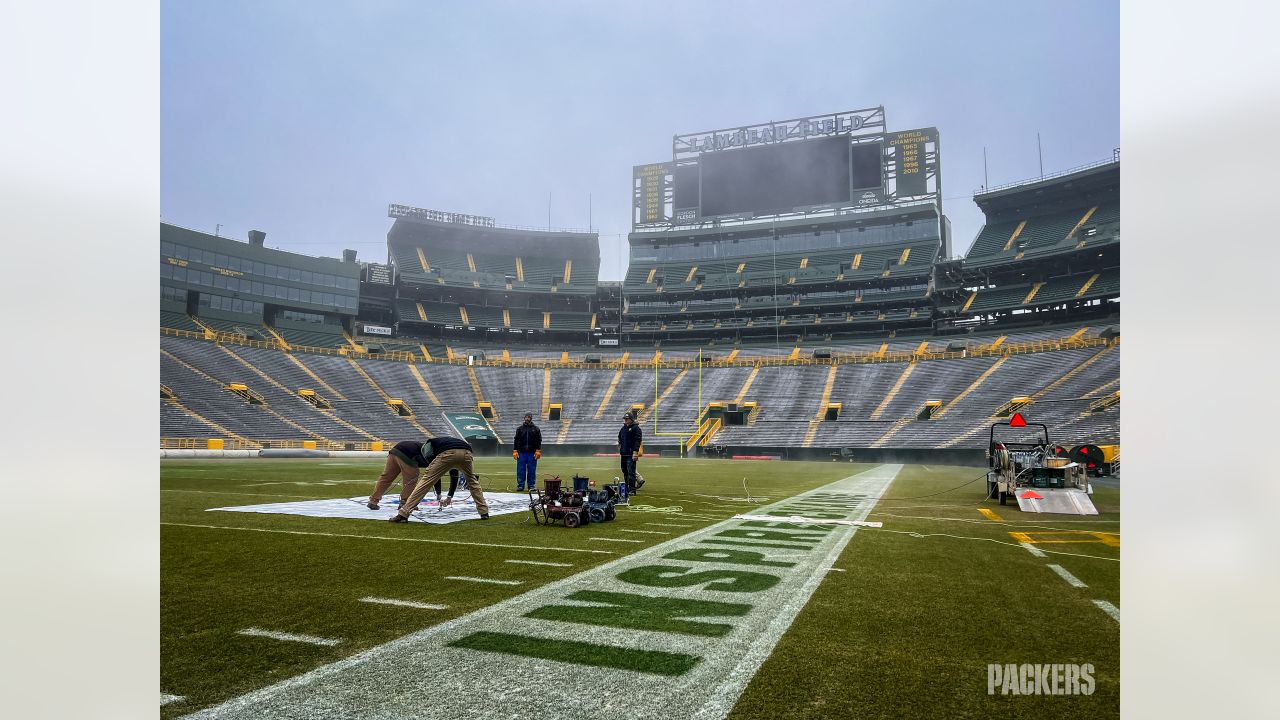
(837, 358)
(170, 443)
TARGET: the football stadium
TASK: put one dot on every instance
(803, 460)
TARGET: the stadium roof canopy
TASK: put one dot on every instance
(1068, 186)
(557, 243)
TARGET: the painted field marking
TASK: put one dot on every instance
(539, 562)
(1109, 609)
(1074, 536)
(990, 515)
(166, 699)
(397, 539)
(491, 581)
(692, 664)
(836, 570)
(669, 525)
(1033, 550)
(1063, 573)
(403, 603)
(288, 637)
(604, 539)
(646, 532)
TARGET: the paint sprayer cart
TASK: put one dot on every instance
(1036, 473)
(579, 506)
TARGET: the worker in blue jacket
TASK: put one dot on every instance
(528, 449)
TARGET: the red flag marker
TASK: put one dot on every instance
(1031, 495)
(1017, 420)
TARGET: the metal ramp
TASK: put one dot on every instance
(1070, 501)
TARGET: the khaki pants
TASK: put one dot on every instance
(394, 468)
(444, 462)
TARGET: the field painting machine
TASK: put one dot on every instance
(1039, 475)
(576, 507)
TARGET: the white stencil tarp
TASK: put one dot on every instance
(463, 508)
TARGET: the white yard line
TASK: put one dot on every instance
(604, 539)
(682, 501)
(1012, 523)
(675, 513)
(669, 525)
(240, 494)
(1063, 573)
(397, 539)
(1109, 609)
(491, 581)
(166, 699)
(403, 603)
(646, 532)
(288, 637)
(539, 562)
(726, 694)
(1033, 549)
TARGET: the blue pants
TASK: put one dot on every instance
(526, 471)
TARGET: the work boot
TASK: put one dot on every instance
(371, 505)
(397, 518)
(484, 516)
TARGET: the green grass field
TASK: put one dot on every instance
(905, 625)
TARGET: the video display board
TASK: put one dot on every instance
(776, 178)
(773, 177)
(814, 165)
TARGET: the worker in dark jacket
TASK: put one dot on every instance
(629, 440)
(528, 448)
(402, 462)
(396, 467)
(438, 455)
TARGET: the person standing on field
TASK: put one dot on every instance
(528, 449)
(630, 438)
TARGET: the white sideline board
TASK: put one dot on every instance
(1056, 500)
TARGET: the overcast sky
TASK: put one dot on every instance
(305, 119)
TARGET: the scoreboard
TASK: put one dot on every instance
(752, 173)
(780, 177)
(378, 274)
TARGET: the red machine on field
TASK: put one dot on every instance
(575, 507)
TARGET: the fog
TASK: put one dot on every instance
(307, 119)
